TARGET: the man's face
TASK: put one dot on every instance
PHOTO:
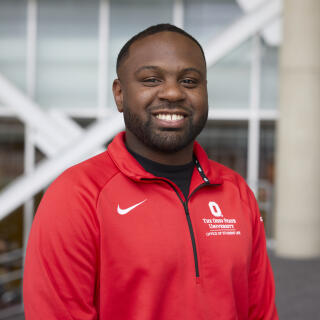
(162, 91)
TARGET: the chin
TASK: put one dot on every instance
(168, 142)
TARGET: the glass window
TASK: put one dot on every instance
(269, 76)
(229, 79)
(12, 148)
(13, 41)
(226, 142)
(205, 19)
(11, 166)
(67, 53)
(266, 174)
(128, 18)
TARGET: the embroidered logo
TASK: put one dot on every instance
(125, 211)
(220, 225)
(215, 209)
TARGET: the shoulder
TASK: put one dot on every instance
(81, 184)
(94, 172)
(232, 178)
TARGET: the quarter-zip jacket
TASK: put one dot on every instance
(112, 241)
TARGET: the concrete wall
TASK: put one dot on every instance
(298, 133)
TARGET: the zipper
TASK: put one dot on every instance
(193, 239)
(186, 210)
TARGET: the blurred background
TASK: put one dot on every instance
(57, 64)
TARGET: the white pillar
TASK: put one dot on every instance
(254, 122)
(29, 148)
(104, 26)
(298, 134)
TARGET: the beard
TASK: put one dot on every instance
(168, 140)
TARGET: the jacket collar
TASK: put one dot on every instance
(129, 166)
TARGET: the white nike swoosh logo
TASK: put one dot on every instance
(125, 211)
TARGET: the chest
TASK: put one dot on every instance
(147, 226)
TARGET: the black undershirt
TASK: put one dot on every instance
(180, 175)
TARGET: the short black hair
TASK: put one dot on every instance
(153, 30)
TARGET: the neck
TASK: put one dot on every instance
(181, 157)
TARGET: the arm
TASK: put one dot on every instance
(61, 267)
(261, 282)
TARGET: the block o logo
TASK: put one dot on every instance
(215, 210)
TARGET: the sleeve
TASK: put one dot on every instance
(61, 266)
(261, 281)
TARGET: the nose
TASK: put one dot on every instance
(171, 91)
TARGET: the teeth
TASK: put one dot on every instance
(169, 117)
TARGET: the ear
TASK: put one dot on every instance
(118, 94)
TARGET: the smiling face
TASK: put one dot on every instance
(162, 93)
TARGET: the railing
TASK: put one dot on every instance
(8, 261)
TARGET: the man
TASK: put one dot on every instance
(151, 228)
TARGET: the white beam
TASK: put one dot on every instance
(6, 112)
(54, 134)
(26, 186)
(104, 13)
(31, 46)
(178, 13)
(29, 146)
(254, 123)
(30, 113)
(70, 128)
(242, 114)
(29, 165)
(241, 30)
(272, 33)
(268, 114)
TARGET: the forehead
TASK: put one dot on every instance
(166, 50)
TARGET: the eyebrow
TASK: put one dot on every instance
(159, 69)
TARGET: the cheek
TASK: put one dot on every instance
(199, 101)
(140, 97)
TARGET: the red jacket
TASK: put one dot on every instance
(112, 241)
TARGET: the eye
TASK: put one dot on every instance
(151, 81)
(189, 83)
